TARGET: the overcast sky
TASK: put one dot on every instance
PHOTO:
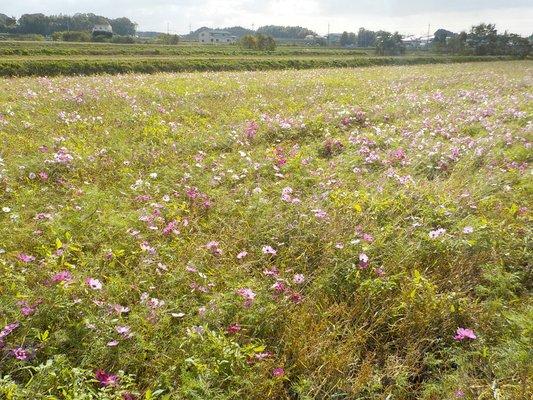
(406, 16)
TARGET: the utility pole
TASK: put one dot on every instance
(168, 28)
(190, 27)
(429, 29)
(328, 35)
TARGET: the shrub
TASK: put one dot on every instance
(72, 36)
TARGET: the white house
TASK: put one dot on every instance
(208, 36)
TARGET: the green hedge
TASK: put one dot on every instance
(90, 67)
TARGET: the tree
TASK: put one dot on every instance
(285, 32)
(258, 42)
(249, 42)
(457, 44)
(265, 43)
(123, 26)
(168, 39)
(348, 39)
(389, 43)
(482, 39)
(366, 38)
(34, 24)
(345, 38)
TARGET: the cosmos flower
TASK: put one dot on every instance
(8, 329)
(233, 328)
(25, 258)
(464, 334)
(468, 230)
(106, 379)
(298, 279)
(363, 261)
(269, 250)
(436, 233)
(278, 372)
(93, 283)
(278, 287)
(20, 353)
(248, 295)
(63, 276)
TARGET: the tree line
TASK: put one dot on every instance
(47, 25)
(481, 40)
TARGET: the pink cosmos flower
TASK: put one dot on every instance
(368, 238)
(278, 287)
(251, 129)
(320, 214)
(363, 261)
(124, 331)
(106, 379)
(8, 329)
(27, 309)
(20, 354)
(242, 254)
(233, 328)
(269, 250)
(213, 247)
(248, 295)
(459, 393)
(63, 276)
(464, 333)
(436, 233)
(295, 297)
(278, 372)
(26, 258)
(170, 228)
(112, 343)
(94, 284)
(298, 279)
(468, 230)
(271, 272)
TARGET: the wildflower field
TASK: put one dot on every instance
(320, 234)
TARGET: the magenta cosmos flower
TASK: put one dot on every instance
(278, 372)
(105, 378)
(233, 328)
(63, 276)
(464, 333)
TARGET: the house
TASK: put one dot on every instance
(412, 42)
(103, 29)
(208, 36)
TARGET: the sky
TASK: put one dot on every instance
(410, 17)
